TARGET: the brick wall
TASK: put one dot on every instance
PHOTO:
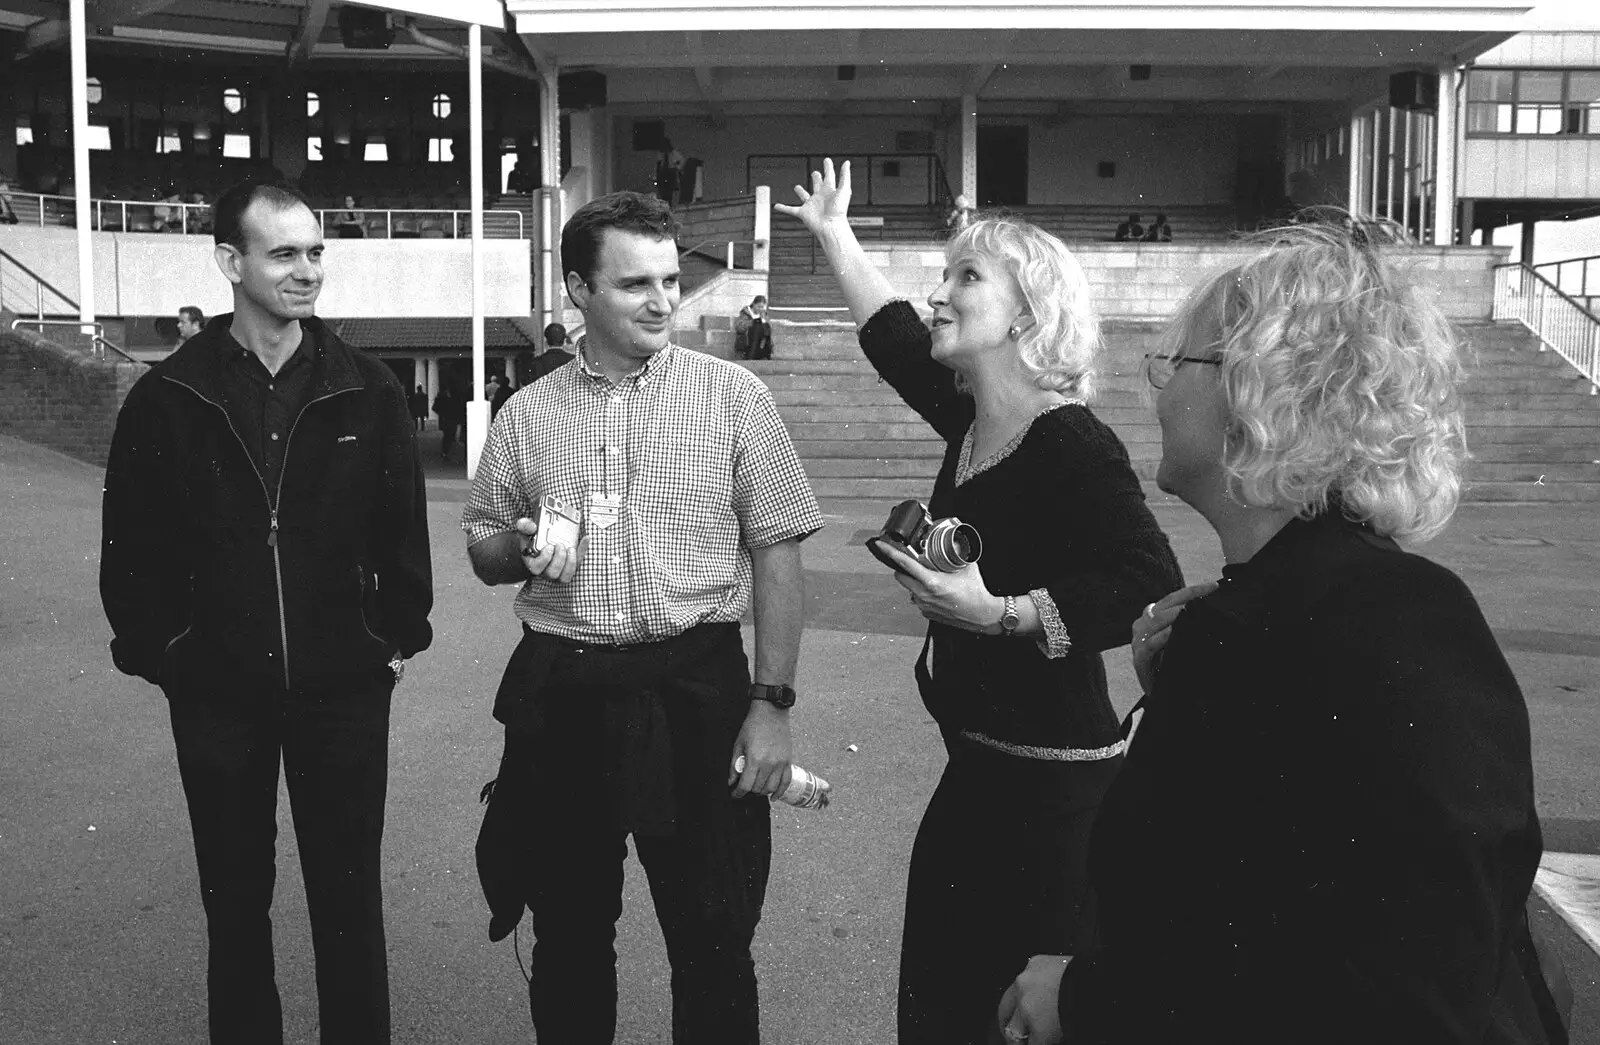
(59, 396)
(1147, 281)
(721, 220)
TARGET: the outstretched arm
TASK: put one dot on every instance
(823, 210)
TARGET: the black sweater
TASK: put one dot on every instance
(211, 579)
(1324, 831)
(1063, 512)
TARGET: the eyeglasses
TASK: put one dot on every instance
(1159, 369)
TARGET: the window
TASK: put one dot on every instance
(233, 101)
(99, 137)
(236, 146)
(441, 106)
(313, 103)
(1533, 102)
(24, 131)
(377, 151)
(95, 90)
(314, 148)
(441, 150)
(169, 141)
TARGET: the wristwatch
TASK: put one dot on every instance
(779, 696)
(398, 666)
(1009, 619)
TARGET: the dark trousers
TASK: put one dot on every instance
(708, 873)
(997, 876)
(335, 757)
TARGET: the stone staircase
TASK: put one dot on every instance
(1528, 414)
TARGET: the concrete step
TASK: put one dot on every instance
(866, 431)
(925, 468)
(834, 315)
(1479, 471)
(1479, 436)
(1535, 418)
(887, 491)
(784, 384)
(1475, 400)
(841, 414)
(764, 367)
(903, 449)
(1564, 492)
(1550, 451)
(881, 397)
(1485, 383)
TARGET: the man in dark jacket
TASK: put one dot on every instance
(274, 593)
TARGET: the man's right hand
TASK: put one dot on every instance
(557, 562)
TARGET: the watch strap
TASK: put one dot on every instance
(1009, 618)
(781, 696)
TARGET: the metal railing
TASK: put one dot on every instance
(872, 184)
(1578, 278)
(1560, 323)
(44, 209)
(725, 250)
(23, 290)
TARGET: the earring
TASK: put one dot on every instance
(1015, 332)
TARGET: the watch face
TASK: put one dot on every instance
(778, 696)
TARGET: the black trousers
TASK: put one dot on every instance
(707, 870)
(334, 751)
(997, 876)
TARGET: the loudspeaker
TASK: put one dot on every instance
(845, 72)
(1138, 72)
(1414, 90)
(365, 29)
(584, 89)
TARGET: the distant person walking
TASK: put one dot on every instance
(555, 354)
(190, 322)
(419, 408)
(451, 406)
(274, 597)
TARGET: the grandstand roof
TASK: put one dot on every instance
(387, 334)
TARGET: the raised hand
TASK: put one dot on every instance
(827, 203)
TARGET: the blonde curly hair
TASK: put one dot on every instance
(1061, 350)
(1340, 374)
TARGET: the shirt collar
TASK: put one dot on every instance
(305, 354)
(639, 375)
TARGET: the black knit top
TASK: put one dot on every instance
(1061, 514)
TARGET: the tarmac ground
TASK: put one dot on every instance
(102, 938)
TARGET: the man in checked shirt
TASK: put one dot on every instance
(629, 705)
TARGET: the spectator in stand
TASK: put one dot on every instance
(555, 354)
(8, 216)
(1130, 230)
(350, 222)
(1159, 231)
(752, 334)
(198, 219)
(190, 322)
(169, 213)
(669, 172)
(960, 215)
(419, 408)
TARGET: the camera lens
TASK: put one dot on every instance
(953, 544)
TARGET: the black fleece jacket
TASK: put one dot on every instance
(210, 578)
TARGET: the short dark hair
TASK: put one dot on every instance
(624, 211)
(759, 297)
(228, 212)
(193, 315)
(555, 335)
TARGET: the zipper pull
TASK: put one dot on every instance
(272, 535)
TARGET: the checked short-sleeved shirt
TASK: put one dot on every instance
(705, 470)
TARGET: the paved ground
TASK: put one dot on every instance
(101, 933)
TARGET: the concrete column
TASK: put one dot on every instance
(550, 274)
(1446, 135)
(1468, 222)
(79, 29)
(432, 384)
(1527, 241)
(969, 148)
(478, 407)
(8, 120)
(1355, 163)
(763, 231)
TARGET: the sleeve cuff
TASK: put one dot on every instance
(1056, 642)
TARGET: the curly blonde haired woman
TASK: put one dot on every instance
(1324, 829)
(1070, 553)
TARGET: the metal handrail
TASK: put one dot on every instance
(938, 194)
(1560, 323)
(752, 243)
(97, 339)
(40, 284)
(194, 214)
(1560, 267)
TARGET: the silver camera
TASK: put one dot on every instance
(945, 545)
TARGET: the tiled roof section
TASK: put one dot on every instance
(400, 334)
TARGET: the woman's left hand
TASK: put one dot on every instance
(1030, 1009)
(959, 599)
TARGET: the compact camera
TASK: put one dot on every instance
(559, 524)
(945, 545)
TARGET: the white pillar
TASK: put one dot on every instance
(478, 408)
(1355, 160)
(431, 385)
(1444, 154)
(80, 159)
(550, 274)
(969, 148)
(762, 255)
